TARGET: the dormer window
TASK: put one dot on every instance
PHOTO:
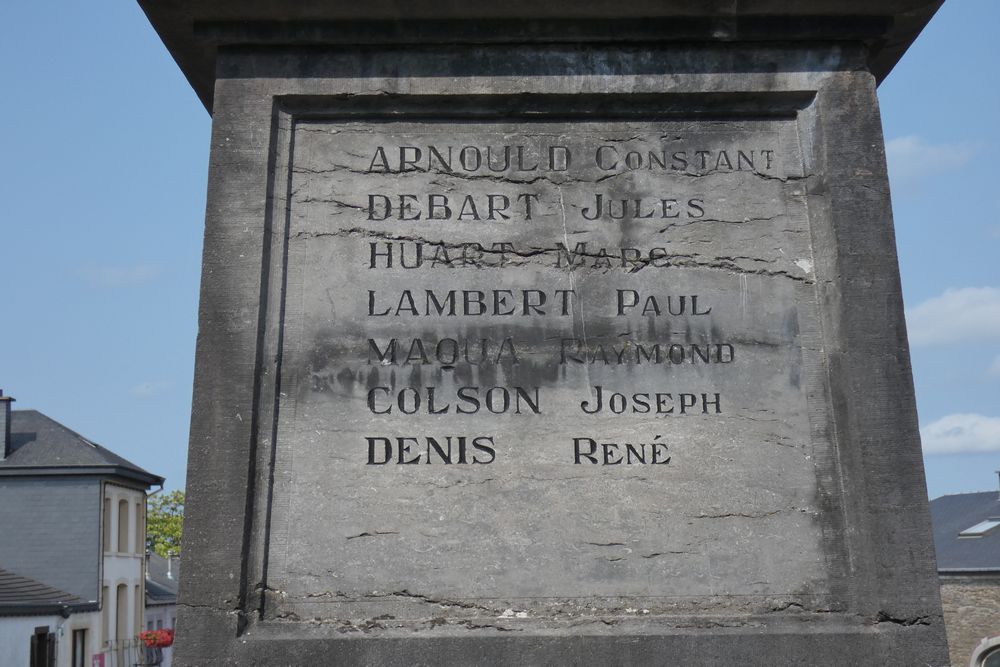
(981, 528)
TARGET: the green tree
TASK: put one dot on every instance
(164, 523)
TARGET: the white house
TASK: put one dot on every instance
(72, 553)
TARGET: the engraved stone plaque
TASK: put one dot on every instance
(583, 351)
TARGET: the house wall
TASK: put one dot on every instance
(123, 538)
(16, 632)
(82, 536)
(91, 622)
(971, 613)
(15, 637)
(51, 531)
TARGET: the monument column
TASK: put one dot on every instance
(549, 333)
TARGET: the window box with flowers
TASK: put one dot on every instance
(157, 638)
(155, 641)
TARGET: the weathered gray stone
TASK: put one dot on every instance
(750, 489)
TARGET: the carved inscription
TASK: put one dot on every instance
(596, 327)
(507, 163)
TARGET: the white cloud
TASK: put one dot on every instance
(147, 389)
(961, 433)
(911, 159)
(958, 315)
(119, 276)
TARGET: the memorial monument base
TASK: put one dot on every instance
(548, 334)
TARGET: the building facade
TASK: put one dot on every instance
(967, 541)
(72, 516)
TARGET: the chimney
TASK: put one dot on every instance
(5, 402)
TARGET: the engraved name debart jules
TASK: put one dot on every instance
(519, 166)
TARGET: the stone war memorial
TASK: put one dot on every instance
(551, 333)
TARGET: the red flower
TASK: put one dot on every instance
(157, 638)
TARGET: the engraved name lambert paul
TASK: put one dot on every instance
(526, 207)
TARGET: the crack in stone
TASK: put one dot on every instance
(609, 616)
(498, 179)
(404, 593)
(710, 172)
(700, 221)
(740, 515)
(329, 594)
(719, 624)
(512, 180)
(336, 202)
(443, 602)
(729, 264)
(906, 621)
(695, 260)
(486, 626)
(565, 180)
(657, 554)
(233, 611)
(377, 533)
(445, 245)
(463, 482)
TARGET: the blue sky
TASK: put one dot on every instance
(103, 179)
(940, 111)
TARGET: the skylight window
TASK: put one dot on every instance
(981, 528)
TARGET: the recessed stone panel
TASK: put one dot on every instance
(532, 363)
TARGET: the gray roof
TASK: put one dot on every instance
(41, 445)
(953, 514)
(161, 588)
(24, 595)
